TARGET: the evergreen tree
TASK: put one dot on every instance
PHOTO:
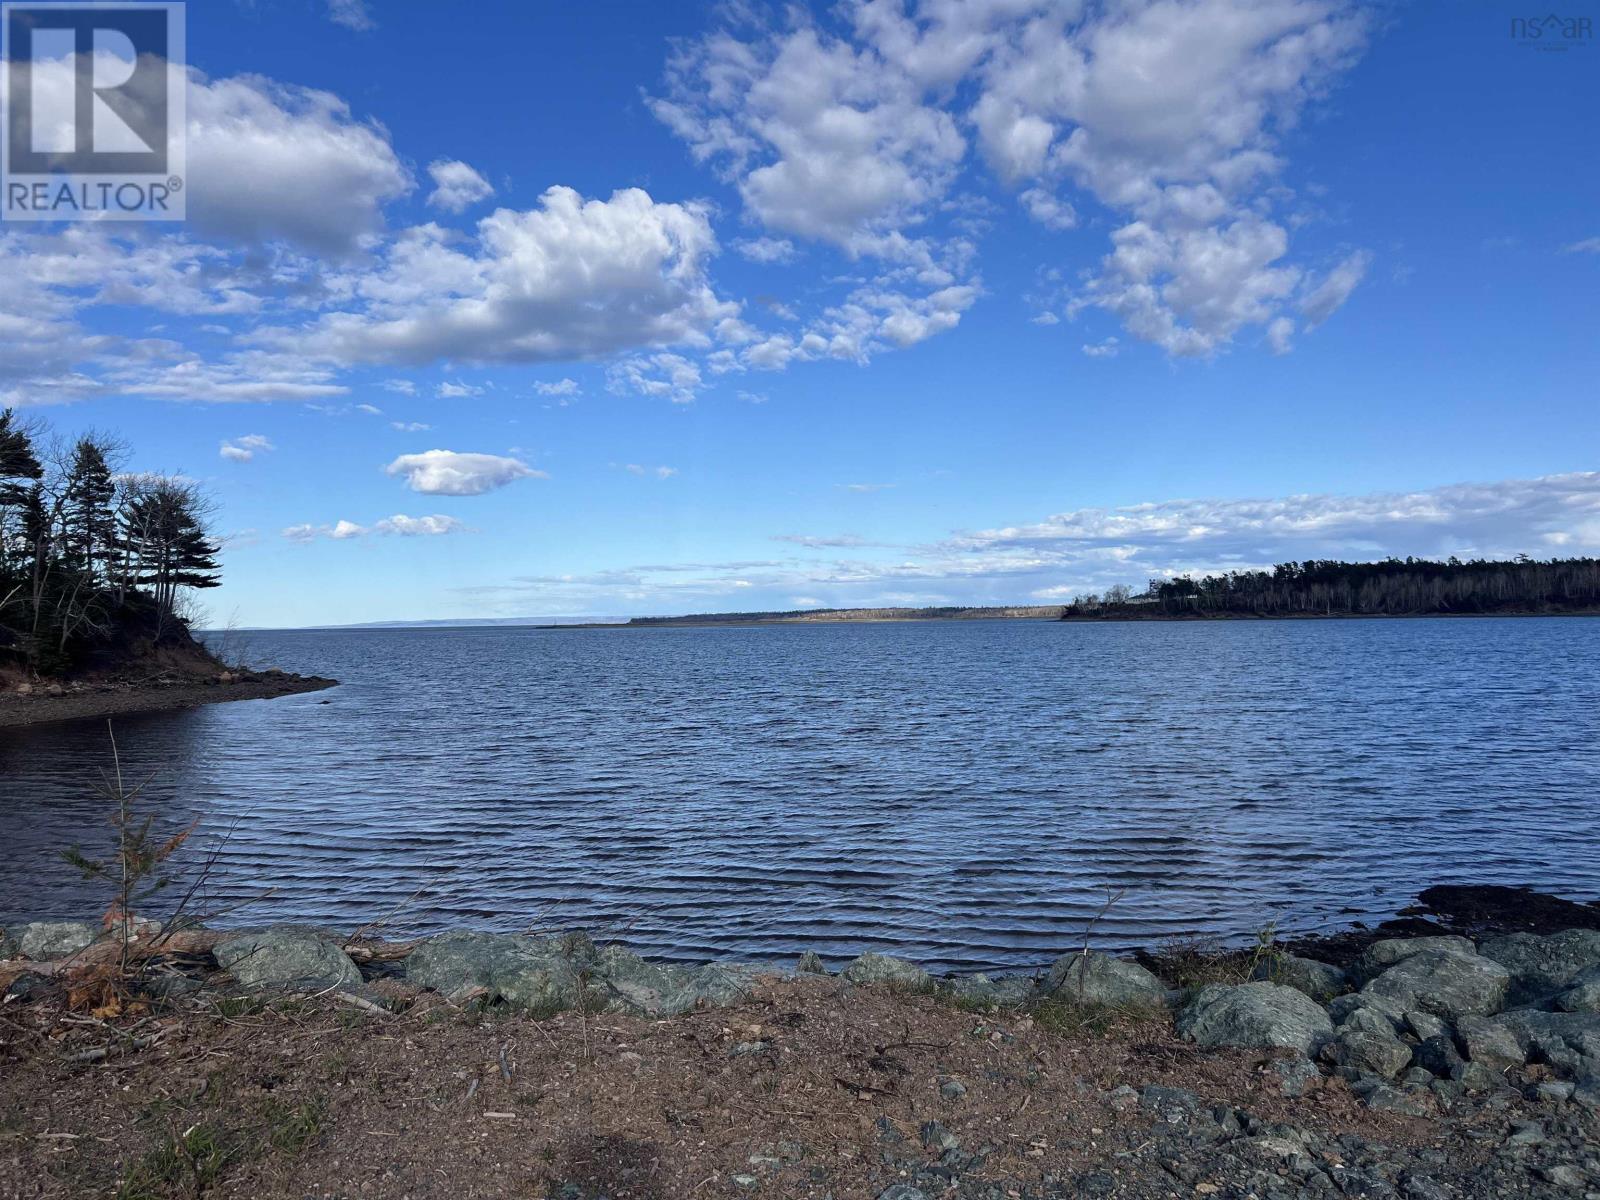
(90, 525)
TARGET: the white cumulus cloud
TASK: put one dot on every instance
(449, 473)
(457, 187)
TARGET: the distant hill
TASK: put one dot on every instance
(824, 616)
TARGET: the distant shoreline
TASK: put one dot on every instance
(1204, 618)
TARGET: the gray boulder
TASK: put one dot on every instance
(1368, 1013)
(1319, 980)
(1381, 955)
(1551, 1035)
(1542, 965)
(1255, 1016)
(1446, 983)
(1099, 979)
(41, 940)
(1296, 1074)
(1582, 994)
(1438, 1056)
(1007, 991)
(895, 973)
(287, 958)
(536, 975)
(1425, 1025)
(632, 985)
(811, 964)
(1361, 1054)
(1486, 1041)
(8, 946)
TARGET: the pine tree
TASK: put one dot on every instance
(90, 524)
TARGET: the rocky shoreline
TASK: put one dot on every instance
(1420, 1067)
(43, 703)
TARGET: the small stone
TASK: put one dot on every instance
(1563, 1175)
(747, 1181)
(902, 1191)
(1122, 1098)
(811, 964)
(1174, 1106)
(952, 1089)
(1421, 1187)
(937, 1138)
(1296, 1075)
(1384, 1098)
(1526, 1133)
(1557, 1091)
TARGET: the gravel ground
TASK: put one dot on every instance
(812, 1088)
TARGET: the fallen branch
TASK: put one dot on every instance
(101, 1052)
(362, 1003)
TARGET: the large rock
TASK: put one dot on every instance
(287, 958)
(538, 976)
(895, 973)
(1582, 994)
(1381, 955)
(1096, 978)
(1542, 965)
(8, 946)
(1359, 1054)
(1490, 1043)
(1006, 991)
(649, 989)
(40, 940)
(1543, 1035)
(1319, 980)
(1368, 1013)
(1446, 983)
(1255, 1016)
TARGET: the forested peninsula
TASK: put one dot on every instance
(98, 568)
(1410, 587)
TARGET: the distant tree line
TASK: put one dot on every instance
(1393, 587)
(92, 555)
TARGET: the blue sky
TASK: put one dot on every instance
(621, 308)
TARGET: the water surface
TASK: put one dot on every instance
(964, 793)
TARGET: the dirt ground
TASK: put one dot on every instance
(810, 1089)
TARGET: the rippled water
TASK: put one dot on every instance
(963, 793)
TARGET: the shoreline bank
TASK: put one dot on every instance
(287, 1063)
(50, 703)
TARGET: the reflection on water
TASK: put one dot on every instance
(963, 793)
